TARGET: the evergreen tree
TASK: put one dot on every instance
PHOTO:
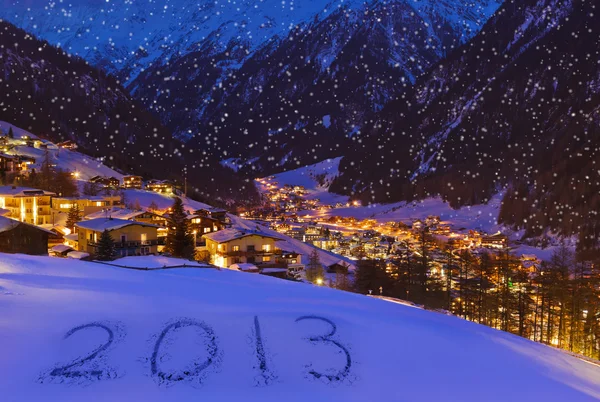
(370, 276)
(73, 216)
(106, 247)
(314, 269)
(11, 133)
(180, 241)
(153, 206)
(91, 189)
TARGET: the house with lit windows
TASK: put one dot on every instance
(130, 237)
(233, 246)
(132, 182)
(27, 205)
(86, 204)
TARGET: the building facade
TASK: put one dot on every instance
(132, 182)
(232, 246)
(23, 238)
(87, 204)
(130, 237)
(27, 205)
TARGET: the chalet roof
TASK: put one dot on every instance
(7, 224)
(22, 191)
(115, 212)
(245, 266)
(101, 224)
(225, 235)
(61, 248)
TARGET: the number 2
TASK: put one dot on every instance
(68, 372)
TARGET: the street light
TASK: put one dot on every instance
(319, 281)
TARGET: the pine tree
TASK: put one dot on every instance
(370, 276)
(153, 206)
(73, 216)
(180, 241)
(314, 269)
(106, 247)
(11, 133)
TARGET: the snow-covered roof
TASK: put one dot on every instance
(115, 212)
(7, 224)
(78, 255)
(4, 211)
(101, 224)
(22, 191)
(71, 237)
(247, 267)
(61, 248)
(226, 235)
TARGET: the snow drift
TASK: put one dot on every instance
(73, 331)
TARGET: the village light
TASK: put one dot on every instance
(319, 281)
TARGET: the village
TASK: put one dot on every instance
(288, 211)
(55, 201)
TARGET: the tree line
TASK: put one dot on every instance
(556, 303)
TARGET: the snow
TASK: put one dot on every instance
(7, 224)
(66, 159)
(155, 262)
(77, 255)
(101, 224)
(478, 217)
(289, 244)
(163, 201)
(234, 233)
(395, 352)
(115, 213)
(61, 248)
(307, 176)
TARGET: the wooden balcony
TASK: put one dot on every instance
(134, 243)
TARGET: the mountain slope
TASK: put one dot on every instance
(189, 333)
(517, 106)
(60, 97)
(272, 85)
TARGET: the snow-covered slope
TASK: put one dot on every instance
(202, 334)
(314, 178)
(65, 159)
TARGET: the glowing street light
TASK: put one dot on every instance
(319, 281)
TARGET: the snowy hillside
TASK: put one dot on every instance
(314, 178)
(73, 331)
(65, 159)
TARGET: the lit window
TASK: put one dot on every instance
(266, 247)
(236, 248)
(267, 259)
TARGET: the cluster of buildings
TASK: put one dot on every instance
(32, 221)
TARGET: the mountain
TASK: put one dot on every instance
(517, 107)
(268, 85)
(104, 333)
(59, 97)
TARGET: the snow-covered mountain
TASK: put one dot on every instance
(74, 330)
(274, 84)
(60, 97)
(517, 106)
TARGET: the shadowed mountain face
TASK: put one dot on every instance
(60, 97)
(266, 85)
(517, 106)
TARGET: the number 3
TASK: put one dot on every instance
(341, 374)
